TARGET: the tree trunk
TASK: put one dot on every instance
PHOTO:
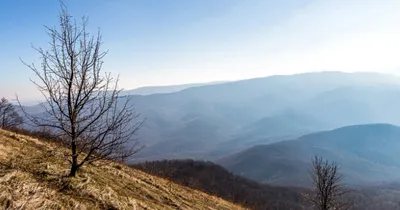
(74, 163)
(74, 166)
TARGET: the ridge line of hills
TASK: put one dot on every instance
(367, 155)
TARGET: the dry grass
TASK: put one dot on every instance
(33, 176)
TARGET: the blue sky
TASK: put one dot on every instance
(160, 42)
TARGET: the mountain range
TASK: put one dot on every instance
(212, 121)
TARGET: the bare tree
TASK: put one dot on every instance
(9, 117)
(83, 104)
(328, 192)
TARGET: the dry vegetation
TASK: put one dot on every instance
(215, 180)
(33, 175)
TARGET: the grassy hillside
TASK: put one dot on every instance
(32, 176)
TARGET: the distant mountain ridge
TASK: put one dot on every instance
(149, 90)
(366, 154)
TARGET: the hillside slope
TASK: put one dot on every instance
(215, 180)
(32, 176)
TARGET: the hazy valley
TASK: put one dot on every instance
(218, 120)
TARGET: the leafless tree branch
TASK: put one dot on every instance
(328, 193)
